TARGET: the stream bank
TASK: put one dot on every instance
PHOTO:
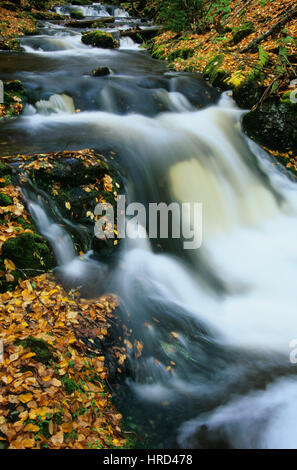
(260, 73)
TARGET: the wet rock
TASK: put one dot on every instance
(77, 15)
(101, 72)
(273, 124)
(248, 94)
(140, 35)
(99, 39)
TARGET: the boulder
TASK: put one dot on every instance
(77, 15)
(273, 124)
(101, 71)
(99, 39)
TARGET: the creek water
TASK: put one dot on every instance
(224, 378)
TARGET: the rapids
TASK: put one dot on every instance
(224, 379)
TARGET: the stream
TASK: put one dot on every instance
(224, 378)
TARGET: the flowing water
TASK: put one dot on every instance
(223, 378)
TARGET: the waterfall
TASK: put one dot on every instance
(215, 323)
(56, 104)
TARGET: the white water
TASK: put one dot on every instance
(56, 104)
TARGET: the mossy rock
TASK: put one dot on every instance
(29, 251)
(77, 15)
(273, 125)
(216, 75)
(98, 24)
(248, 94)
(5, 200)
(242, 31)
(43, 351)
(99, 39)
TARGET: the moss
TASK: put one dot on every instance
(28, 251)
(70, 385)
(242, 31)
(215, 73)
(98, 24)
(5, 200)
(182, 53)
(99, 39)
(7, 181)
(77, 15)
(43, 351)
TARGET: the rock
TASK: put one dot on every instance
(101, 72)
(273, 124)
(140, 35)
(248, 94)
(99, 39)
(77, 15)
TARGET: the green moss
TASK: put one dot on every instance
(43, 351)
(99, 39)
(70, 385)
(7, 181)
(4, 169)
(28, 251)
(242, 31)
(5, 200)
(182, 53)
(98, 24)
(77, 15)
(215, 73)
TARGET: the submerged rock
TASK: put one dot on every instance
(101, 72)
(99, 39)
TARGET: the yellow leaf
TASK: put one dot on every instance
(67, 427)
(9, 265)
(68, 205)
(31, 428)
(26, 397)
